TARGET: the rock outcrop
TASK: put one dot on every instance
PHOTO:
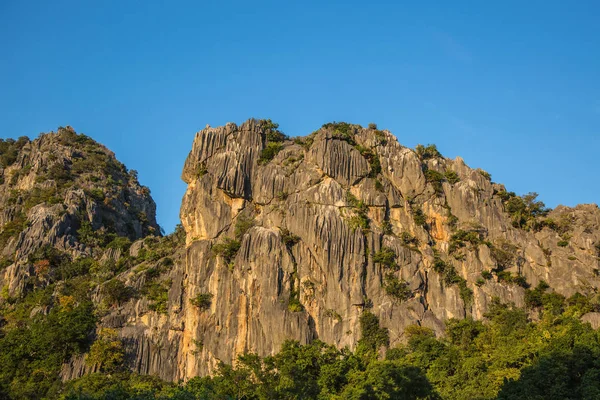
(345, 195)
(294, 239)
(57, 184)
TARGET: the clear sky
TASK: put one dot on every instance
(511, 86)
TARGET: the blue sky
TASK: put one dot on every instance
(512, 87)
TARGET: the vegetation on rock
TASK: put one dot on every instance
(227, 249)
(358, 219)
(273, 141)
(202, 301)
(89, 284)
(523, 210)
(427, 152)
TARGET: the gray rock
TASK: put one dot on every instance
(306, 269)
(593, 318)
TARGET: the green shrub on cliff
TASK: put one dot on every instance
(427, 152)
(524, 210)
(269, 152)
(9, 150)
(202, 300)
(227, 249)
(273, 138)
(107, 353)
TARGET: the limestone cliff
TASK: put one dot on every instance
(347, 219)
(65, 191)
(293, 239)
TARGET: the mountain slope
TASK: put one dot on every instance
(347, 219)
(68, 213)
(280, 239)
(66, 191)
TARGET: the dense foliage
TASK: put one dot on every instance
(55, 318)
(35, 343)
(507, 356)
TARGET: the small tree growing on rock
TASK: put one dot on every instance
(107, 352)
(203, 301)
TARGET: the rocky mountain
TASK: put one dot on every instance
(295, 238)
(281, 239)
(67, 192)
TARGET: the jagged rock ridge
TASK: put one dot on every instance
(65, 191)
(294, 239)
(348, 196)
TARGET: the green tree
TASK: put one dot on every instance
(388, 380)
(372, 336)
(107, 352)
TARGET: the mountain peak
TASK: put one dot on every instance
(282, 238)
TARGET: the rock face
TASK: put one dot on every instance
(54, 185)
(294, 239)
(323, 211)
